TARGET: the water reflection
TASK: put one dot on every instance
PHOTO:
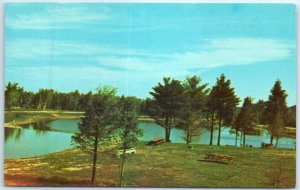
(47, 137)
(12, 133)
(28, 142)
(152, 130)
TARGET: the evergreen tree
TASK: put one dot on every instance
(246, 119)
(167, 100)
(259, 109)
(275, 111)
(193, 105)
(97, 125)
(13, 93)
(128, 127)
(222, 102)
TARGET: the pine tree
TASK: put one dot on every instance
(222, 102)
(275, 111)
(193, 105)
(246, 119)
(96, 126)
(127, 123)
(167, 100)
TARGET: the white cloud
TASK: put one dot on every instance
(213, 53)
(56, 16)
(210, 54)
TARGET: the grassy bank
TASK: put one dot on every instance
(166, 165)
(17, 118)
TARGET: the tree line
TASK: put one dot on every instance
(49, 99)
(189, 104)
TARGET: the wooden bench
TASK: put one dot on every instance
(156, 141)
(265, 145)
(219, 158)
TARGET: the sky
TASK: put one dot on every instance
(68, 46)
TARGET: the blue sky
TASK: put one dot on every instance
(133, 46)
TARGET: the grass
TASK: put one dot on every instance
(166, 165)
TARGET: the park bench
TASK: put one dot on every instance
(156, 141)
(127, 152)
(265, 145)
(212, 157)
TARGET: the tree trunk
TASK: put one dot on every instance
(236, 137)
(241, 139)
(271, 140)
(122, 168)
(168, 131)
(211, 130)
(211, 135)
(167, 128)
(188, 137)
(219, 135)
(94, 161)
(166, 134)
(277, 138)
(244, 140)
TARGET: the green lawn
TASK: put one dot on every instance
(166, 165)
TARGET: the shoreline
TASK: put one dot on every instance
(14, 119)
(40, 115)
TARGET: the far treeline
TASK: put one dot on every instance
(189, 105)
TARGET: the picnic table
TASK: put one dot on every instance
(213, 157)
(156, 141)
(266, 145)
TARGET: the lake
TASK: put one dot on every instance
(48, 137)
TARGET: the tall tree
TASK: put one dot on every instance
(128, 127)
(222, 101)
(167, 100)
(291, 117)
(275, 111)
(193, 105)
(210, 118)
(45, 98)
(13, 93)
(246, 118)
(259, 109)
(147, 107)
(97, 125)
(85, 100)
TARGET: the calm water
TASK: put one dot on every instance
(43, 138)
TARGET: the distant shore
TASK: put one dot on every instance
(14, 119)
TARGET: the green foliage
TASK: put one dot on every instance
(167, 98)
(275, 111)
(13, 94)
(246, 118)
(106, 90)
(193, 103)
(98, 122)
(222, 102)
(258, 109)
(128, 127)
(127, 122)
(291, 116)
(97, 125)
